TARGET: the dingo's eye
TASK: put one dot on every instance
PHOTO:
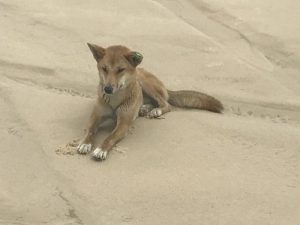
(104, 68)
(120, 70)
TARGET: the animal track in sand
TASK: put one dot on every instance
(68, 149)
(272, 112)
(71, 221)
(42, 77)
(14, 131)
(49, 87)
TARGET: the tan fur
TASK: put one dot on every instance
(134, 91)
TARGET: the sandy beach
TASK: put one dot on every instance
(192, 167)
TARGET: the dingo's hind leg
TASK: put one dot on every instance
(156, 91)
(145, 109)
(162, 105)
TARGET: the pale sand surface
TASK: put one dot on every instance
(191, 168)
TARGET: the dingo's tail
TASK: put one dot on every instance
(194, 99)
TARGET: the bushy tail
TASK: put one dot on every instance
(194, 99)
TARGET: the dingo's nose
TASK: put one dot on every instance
(108, 89)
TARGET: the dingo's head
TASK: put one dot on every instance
(116, 66)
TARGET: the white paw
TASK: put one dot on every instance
(154, 113)
(99, 154)
(84, 148)
(145, 109)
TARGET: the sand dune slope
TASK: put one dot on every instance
(192, 167)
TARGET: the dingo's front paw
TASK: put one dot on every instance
(99, 154)
(84, 148)
(154, 113)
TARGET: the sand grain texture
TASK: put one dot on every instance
(193, 167)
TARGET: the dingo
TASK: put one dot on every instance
(126, 91)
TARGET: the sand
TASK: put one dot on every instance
(192, 167)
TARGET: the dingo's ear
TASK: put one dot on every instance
(98, 52)
(134, 58)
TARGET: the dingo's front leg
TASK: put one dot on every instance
(99, 114)
(124, 120)
(118, 134)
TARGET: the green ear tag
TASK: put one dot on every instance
(137, 57)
